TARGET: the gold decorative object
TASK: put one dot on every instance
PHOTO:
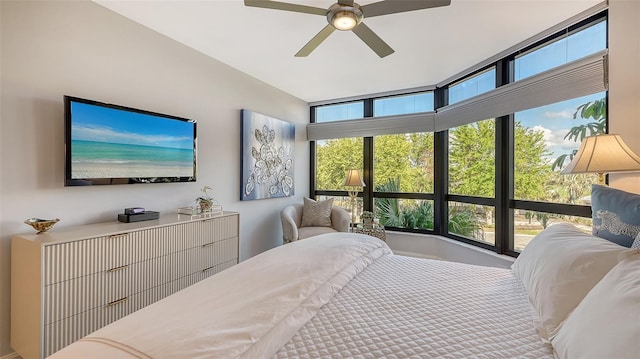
(41, 225)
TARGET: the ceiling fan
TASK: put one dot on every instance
(347, 15)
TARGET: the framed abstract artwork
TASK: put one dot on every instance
(267, 151)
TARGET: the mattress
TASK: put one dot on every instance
(337, 295)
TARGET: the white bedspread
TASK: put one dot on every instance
(249, 310)
(338, 295)
(402, 307)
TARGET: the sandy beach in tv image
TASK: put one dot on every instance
(112, 143)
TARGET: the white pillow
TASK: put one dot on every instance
(559, 267)
(606, 324)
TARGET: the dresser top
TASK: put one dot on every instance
(74, 233)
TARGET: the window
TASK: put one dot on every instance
(404, 213)
(334, 158)
(472, 221)
(472, 159)
(399, 105)
(566, 49)
(343, 111)
(473, 86)
(546, 139)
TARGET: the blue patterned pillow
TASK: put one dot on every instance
(616, 214)
(636, 243)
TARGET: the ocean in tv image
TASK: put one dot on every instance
(113, 143)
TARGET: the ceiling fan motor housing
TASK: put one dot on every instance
(344, 17)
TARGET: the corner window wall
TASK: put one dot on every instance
(478, 159)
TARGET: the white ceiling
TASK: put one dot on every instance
(430, 45)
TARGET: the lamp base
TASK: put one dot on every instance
(353, 195)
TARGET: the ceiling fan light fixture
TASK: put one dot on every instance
(344, 21)
(344, 17)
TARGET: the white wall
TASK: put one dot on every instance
(624, 82)
(50, 49)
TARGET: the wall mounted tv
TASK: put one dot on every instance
(110, 144)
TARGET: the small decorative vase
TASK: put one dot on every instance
(205, 205)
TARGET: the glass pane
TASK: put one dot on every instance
(343, 111)
(546, 138)
(403, 163)
(399, 105)
(527, 224)
(472, 221)
(472, 86)
(569, 48)
(346, 203)
(472, 159)
(334, 158)
(404, 213)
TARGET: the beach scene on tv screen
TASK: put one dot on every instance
(113, 143)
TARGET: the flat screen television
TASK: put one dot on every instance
(110, 144)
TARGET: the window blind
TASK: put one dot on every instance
(366, 127)
(575, 79)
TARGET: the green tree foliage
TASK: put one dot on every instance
(408, 157)
(472, 159)
(531, 168)
(334, 158)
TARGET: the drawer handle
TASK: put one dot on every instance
(209, 268)
(118, 235)
(117, 268)
(115, 302)
(208, 244)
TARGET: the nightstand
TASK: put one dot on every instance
(375, 230)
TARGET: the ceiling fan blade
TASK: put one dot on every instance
(346, 2)
(396, 6)
(317, 40)
(372, 40)
(277, 5)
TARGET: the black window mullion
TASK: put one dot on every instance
(312, 158)
(367, 166)
(440, 170)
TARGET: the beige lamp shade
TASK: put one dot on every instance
(353, 179)
(602, 154)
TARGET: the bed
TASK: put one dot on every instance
(345, 295)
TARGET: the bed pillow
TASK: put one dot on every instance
(316, 214)
(616, 214)
(606, 323)
(636, 242)
(558, 268)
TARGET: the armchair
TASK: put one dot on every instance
(291, 217)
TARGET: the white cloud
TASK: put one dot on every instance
(555, 139)
(559, 114)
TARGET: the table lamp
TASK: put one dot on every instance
(603, 154)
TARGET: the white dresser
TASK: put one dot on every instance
(71, 281)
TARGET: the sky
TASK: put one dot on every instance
(104, 124)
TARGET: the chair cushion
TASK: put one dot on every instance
(306, 232)
(316, 214)
(616, 214)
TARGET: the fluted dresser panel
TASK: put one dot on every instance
(71, 282)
